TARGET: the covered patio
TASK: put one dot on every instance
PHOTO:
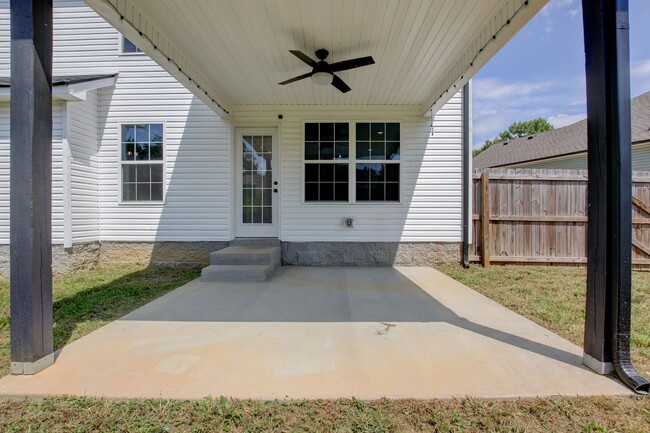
(320, 333)
(323, 332)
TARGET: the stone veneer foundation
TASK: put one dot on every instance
(189, 254)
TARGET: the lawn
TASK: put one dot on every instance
(552, 297)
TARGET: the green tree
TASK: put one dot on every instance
(516, 130)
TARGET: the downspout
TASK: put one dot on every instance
(466, 170)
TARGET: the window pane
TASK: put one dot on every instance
(363, 172)
(376, 172)
(156, 172)
(311, 172)
(311, 192)
(129, 47)
(142, 133)
(341, 192)
(247, 197)
(392, 192)
(128, 173)
(247, 215)
(257, 197)
(392, 172)
(156, 151)
(392, 132)
(267, 197)
(342, 151)
(247, 143)
(326, 191)
(363, 150)
(128, 151)
(157, 191)
(363, 131)
(326, 132)
(257, 215)
(267, 179)
(341, 172)
(142, 151)
(128, 133)
(311, 131)
(392, 150)
(377, 151)
(326, 172)
(257, 143)
(327, 150)
(128, 192)
(247, 161)
(311, 151)
(377, 191)
(143, 192)
(342, 132)
(156, 133)
(377, 132)
(143, 173)
(363, 191)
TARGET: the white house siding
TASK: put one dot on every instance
(57, 174)
(84, 168)
(430, 209)
(640, 161)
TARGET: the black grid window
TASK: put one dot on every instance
(327, 154)
(142, 162)
(377, 168)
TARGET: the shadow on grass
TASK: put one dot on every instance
(85, 302)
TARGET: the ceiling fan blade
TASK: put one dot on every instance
(339, 84)
(298, 78)
(352, 63)
(304, 57)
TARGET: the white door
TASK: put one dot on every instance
(257, 182)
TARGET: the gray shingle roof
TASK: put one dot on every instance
(561, 141)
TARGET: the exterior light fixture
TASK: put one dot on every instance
(322, 78)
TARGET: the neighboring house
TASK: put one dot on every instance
(144, 171)
(566, 147)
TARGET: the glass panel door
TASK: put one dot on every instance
(257, 183)
(257, 179)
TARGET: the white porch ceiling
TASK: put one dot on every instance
(234, 52)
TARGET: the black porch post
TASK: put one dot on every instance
(31, 185)
(609, 237)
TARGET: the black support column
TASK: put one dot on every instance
(609, 237)
(31, 186)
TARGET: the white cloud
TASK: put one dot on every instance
(640, 69)
(560, 120)
(493, 88)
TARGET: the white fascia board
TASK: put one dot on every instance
(69, 92)
(479, 53)
(85, 86)
(136, 35)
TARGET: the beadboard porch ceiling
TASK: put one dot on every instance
(234, 53)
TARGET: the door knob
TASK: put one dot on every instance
(275, 190)
(275, 183)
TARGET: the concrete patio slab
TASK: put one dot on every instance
(320, 333)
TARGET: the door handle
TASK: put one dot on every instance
(275, 190)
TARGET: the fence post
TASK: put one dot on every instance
(485, 218)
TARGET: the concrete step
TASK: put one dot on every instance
(246, 255)
(236, 273)
(255, 242)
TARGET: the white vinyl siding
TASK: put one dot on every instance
(640, 160)
(430, 207)
(84, 168)
(57, 173)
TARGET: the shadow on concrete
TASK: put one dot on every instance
(382, 295)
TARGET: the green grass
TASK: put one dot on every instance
(86, 301)
(554, 297)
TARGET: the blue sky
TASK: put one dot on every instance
(540, 72)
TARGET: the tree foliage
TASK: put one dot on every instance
(516, 130)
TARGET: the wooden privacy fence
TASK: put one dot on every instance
(540, 216)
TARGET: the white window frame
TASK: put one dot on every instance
(120, 163)
(121, 47)
(352, 163)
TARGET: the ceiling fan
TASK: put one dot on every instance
(322, 73)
